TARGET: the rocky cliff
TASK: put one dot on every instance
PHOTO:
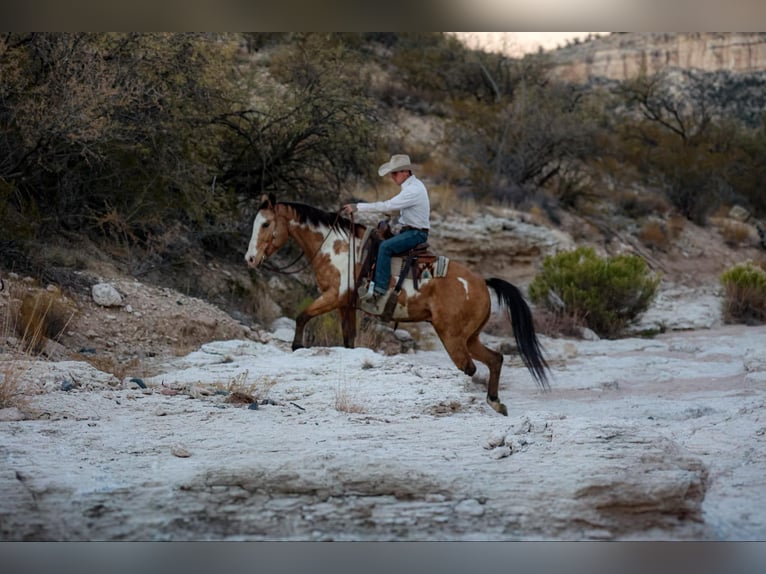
(618, 56)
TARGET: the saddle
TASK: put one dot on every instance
(420, 262)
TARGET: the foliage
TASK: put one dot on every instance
(310, 127)
(745, 294)
(98, 128)
(605, 293)
(531, 138)
(118, 134)
(438, 67)
(677, 137)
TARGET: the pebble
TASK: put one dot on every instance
(470, 507)
(67, 385)
(179, 451)
(106, 295)
(495, 439)
(253, 406)
(501, 452)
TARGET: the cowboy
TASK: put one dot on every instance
(415, 209)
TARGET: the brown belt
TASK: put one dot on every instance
(409, 227)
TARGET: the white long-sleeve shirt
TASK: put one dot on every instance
(412, 202)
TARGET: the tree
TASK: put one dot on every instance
(527, 139)
(677, 137)
(310, 128)
(106, 131)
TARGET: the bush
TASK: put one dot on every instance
(745, 294)
(606, 294)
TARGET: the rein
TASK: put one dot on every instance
(269, 267)
(351, 286)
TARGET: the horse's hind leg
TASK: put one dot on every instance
(458, 352)
(494, 362)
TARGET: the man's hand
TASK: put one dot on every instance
(349, 208)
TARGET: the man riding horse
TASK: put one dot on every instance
(415, 210)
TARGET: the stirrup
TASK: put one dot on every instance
(376, 304)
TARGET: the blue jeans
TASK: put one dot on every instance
(400, 242)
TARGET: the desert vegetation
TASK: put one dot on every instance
(156, 147)
(603, 293)
(745, 294)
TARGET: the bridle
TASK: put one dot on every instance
(283, 270)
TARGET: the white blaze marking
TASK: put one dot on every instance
(252, 249)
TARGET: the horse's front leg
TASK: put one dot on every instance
(326, 302)
(348, 324)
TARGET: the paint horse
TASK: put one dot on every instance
(458, 304)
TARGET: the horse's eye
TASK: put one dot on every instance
(265, 225)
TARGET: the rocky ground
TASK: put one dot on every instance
(141, 424)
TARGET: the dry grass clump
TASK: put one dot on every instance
(558, 325)
(654, 235)
(12, 364)
(735, 233)
(675, 226)
(12, 370)
(345, 402)
(39, 315)
(43, 315)
(241, 391)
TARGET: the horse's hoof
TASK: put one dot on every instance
(498, 406)
(296, 347)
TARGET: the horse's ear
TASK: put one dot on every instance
(268, 201)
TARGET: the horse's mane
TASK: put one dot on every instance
(316, 217)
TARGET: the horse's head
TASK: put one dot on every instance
(269, 232)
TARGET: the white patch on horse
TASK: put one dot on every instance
(465, 286)
(338, 260)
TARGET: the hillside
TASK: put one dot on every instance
(170, 406)
(206, 264)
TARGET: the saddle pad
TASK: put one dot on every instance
(437, 269)
(442, 263)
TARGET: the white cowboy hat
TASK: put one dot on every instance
(398, 162)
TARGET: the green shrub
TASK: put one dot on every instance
(606, 294)
(745, 294)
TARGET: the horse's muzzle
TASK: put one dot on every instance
(254, 261)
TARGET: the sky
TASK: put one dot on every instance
(517, 43)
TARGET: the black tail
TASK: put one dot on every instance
(520, 316)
